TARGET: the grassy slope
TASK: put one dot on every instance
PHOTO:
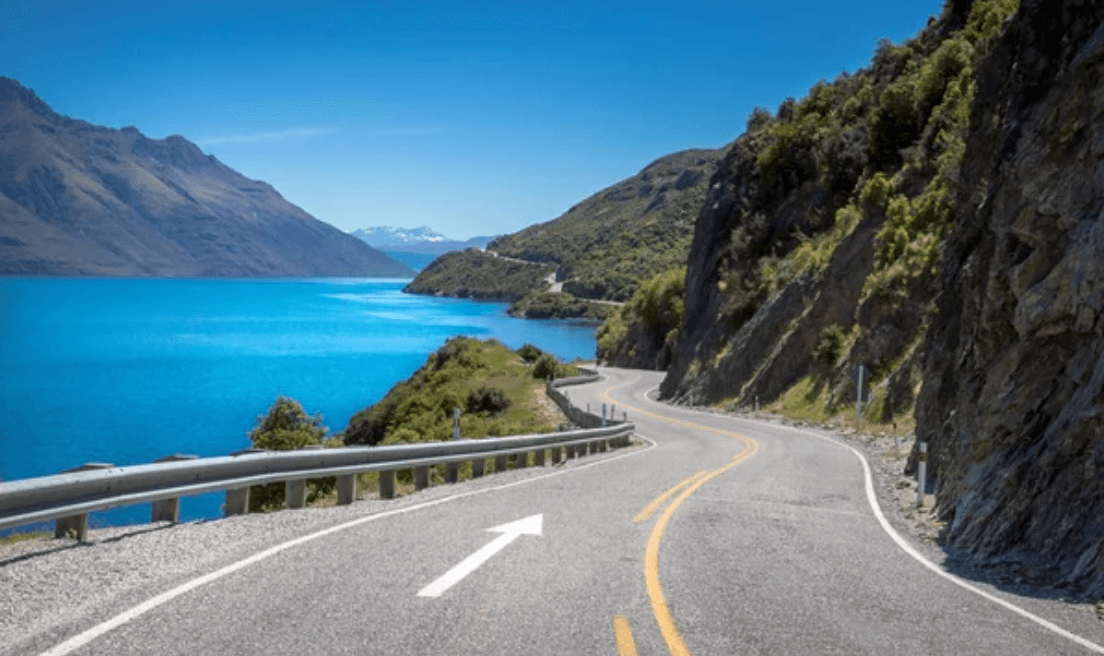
(420, 408)
(625, 234)
(474, 274)
(601, 249)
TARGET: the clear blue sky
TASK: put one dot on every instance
(472, 118)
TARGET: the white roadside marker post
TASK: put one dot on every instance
(922, 474)
(859, 401)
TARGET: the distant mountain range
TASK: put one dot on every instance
(78, 199)
(416, 247)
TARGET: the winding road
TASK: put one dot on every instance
(717, 536)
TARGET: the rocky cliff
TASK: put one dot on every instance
(938, 218)
(79, 199)
(1014, 373)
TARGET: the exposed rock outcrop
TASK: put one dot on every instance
(1014, 376)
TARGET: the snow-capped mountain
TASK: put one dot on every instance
(415, 240)
(415, 247)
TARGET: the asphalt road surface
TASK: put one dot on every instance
(715, 536)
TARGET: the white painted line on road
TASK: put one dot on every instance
(81, 639)
(531, 525)
(872, 497)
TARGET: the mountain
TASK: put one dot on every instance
(415, 240)
(603, 248)
(416, 247)
(83, 200)
(936, 218)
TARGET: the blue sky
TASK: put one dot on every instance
(472, 118)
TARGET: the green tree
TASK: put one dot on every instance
(287, 427)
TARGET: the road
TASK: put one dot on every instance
(770, 546)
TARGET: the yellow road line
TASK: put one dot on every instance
(626, 646)
(671, 635)
(644, 514)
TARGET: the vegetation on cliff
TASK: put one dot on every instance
(824, 227)
(643, 331)
(936, 218)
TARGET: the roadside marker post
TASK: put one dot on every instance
(922, 473)
(859, 401)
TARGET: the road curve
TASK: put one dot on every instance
(717, 536)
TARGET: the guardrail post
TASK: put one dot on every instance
(521, 460)
(569, 451)
(237, 501)
(452, 472)
(387, 484)
(295, 493)
(477, 467)
(168, 510)
(421, 477)
(538, 458)
(603, 445)
(556, 451)
(499, 464)
(77, 525)
(346, 489)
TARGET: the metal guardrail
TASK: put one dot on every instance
(68, 497)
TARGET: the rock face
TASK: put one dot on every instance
(1013, 398)
(82, 200)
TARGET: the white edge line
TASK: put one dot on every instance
(85, 637)
(872, 498)
(908, 548)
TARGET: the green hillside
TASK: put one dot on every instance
(499, 391)
(601, 249)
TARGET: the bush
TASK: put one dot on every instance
(545, 367)
(487, 399)
(529, 353)
(830, 346)
(287, 427)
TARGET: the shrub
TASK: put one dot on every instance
(487, 399)
(529, 353)
(830, 346)
(287, 427)
(546, 366)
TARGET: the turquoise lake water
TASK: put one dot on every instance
(126, 371)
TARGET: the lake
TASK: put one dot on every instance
(126, 371)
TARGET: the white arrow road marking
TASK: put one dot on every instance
(531, 525)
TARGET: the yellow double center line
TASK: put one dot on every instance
(667, 627)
